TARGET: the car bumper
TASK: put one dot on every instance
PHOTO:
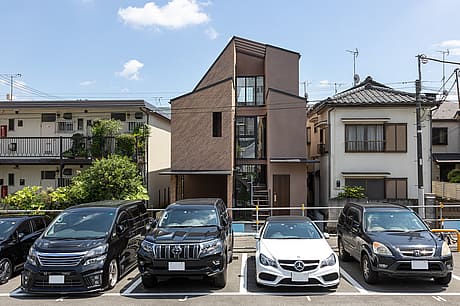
(203, 267)
(276, 276)
(437, 267)
(78, 279)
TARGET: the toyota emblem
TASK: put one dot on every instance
(176, 250)
(299, 266)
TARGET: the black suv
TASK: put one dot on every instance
(17, 234)
(192, 237)
(86, 248)
(391, 239)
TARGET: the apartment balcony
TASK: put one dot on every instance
(61, 150)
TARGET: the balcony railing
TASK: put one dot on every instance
(63, 148)
(365, 146)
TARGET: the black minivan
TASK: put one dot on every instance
(86, 248)
(17, 234)
(391, 239)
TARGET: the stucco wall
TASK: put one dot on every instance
(282, 70)
(298, 181)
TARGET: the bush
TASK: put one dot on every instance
(352, 192)
(28, 198)
(126, 144)
(103, 131)
(454, 176)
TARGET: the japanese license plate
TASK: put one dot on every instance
(176, 266)
(299, 277)
(56, 279)
(419, 265)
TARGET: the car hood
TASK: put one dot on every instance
(66, 245)
(292, 249)
(405, 239)
(188, 234)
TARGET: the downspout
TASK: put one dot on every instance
(431, 144)
(146, 158)
(329, 184)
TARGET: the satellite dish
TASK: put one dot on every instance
(356, 78)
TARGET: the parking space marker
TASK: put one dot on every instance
(352, 281)
(455, 277)
(243, 273)
(309, 298)
(133, 286)
(439, 299)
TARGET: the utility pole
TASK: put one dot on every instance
(305, 87)
(418, 107)
(11, 77)
(444, 53)
(457, 75)
(355, 55)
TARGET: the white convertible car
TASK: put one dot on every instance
(292, 251)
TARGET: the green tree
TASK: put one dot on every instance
(352, 192)
(28, 198)
(454, 176)
(112, 178)
(104, 133)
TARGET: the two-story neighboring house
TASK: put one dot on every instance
(240, 134)
(366, 136)
(45, 143)
(446, 139)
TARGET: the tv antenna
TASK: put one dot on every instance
(355, 55)
(444, 53)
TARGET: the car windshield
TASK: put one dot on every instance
(394, 221)
(81, 225)
(6, 227)
(291, 230)
(189, 217)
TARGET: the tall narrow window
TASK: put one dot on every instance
(396, 137)
(80, 124)
(10, 124)
(217, 124)
(10, 179)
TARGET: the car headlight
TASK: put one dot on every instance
(211, 247)
(96, 255)
(32, 257)
(445, 249)
(381, 249)
(147, 246)
(330, 261)
(266, 261)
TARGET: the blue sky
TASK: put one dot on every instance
(156, 50)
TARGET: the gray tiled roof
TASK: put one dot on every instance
(447, 110)
(370, 92)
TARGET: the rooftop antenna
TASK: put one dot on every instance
(355, 55)
(444, 53)
(305, 88)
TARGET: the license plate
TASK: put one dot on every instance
(299, 277)
(56, 279)
(419, 265)
(176, 266)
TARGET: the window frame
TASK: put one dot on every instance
(380, 143)
(259, 85)
(216, 124)
(436, 139)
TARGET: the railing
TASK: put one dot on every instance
(365, 146)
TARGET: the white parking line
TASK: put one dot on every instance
(353, 282)
(244, 273)
(133, 286)
(455, 277)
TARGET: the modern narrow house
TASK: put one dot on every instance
(366, 136)
(446, 139)
(45, 143)
(240, 134)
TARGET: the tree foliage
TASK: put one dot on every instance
(454, 176)
(28, 198)
(352, 192)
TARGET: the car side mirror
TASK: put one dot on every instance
(20, 236)
(257, 236)
(151, 224)
(355, 226)
(326, 235)
(121, 229)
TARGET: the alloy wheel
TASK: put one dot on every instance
(6, 270)
(113, 273)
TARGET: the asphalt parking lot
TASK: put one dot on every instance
(241, 289)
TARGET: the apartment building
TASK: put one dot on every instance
(366, 136)
(38, 141)
(240, 134)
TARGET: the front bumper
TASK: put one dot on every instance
(328, 276)
(79, 279)
(402, 267)
(202, 267)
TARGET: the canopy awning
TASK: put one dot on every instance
(446, 157)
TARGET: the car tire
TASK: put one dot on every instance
(443, 280)
(370, 276)
(149, 281)
(343, 254)
(220, 279)
(6, 270)
(112, 274)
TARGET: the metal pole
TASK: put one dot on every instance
(458, 86)
(418, 105)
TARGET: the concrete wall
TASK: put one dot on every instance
(193, 145)
(298, 181)
(282, 70)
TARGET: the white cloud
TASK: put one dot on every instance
(174, 15)
(131, 69)
(450, 43)
(87, 83)
(212, 33)
(324, 83)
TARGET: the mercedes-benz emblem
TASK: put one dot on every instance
(176, 250)
(299, 266)
(417, 253)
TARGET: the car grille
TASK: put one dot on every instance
(70, 281)
(417, 252)
(177, 251)
(289, 265)
(60, 259)
(406, 266)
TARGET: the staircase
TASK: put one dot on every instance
(260, 197)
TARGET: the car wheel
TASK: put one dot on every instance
(112, 274)
(149, 281)
(443, 280)
(370, 276)
(343, 255)
(220, 279)
(6, 270)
